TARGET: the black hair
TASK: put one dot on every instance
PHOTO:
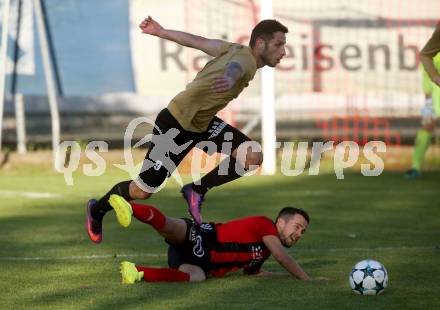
(265, 30)
(290, 211)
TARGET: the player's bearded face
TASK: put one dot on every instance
(292, 229)
(274, 49)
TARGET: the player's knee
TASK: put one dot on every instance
(143, 195)
(196, 274)
(137, 193)
(428, 128)
(429, 125)
(254, 159)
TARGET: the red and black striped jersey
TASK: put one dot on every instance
(240, 245)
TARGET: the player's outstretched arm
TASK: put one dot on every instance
(209, 46)
(431, 48)
(428, 64)
(283, 258)
(265, 273)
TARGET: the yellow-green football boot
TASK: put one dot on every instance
(129, 273)
(122, 209)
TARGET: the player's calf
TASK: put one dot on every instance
(249, 155)
(253, 159)
(138, 193)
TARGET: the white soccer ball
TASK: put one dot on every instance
(368, 277)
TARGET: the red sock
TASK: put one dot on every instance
(149, 215)
(163, 274)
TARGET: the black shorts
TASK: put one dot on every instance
(199, 241)
(171, 143)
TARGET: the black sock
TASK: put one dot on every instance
(214, 178)
(100, 208)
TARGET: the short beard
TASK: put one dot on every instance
(265, 57)
(283, 242)
(266, 61)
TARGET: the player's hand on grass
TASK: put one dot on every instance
(222, 84)
(150, 26)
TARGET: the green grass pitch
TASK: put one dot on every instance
(47, 260)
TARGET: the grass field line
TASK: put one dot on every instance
(78, 257)
(156, 255)
(25, 194)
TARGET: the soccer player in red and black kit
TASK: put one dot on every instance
(190, 119)
(213, 249)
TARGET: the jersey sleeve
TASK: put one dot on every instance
(432, 47)
(225, 47)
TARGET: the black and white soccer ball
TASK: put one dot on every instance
(368, 277)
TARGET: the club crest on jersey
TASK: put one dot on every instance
(257, 255)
